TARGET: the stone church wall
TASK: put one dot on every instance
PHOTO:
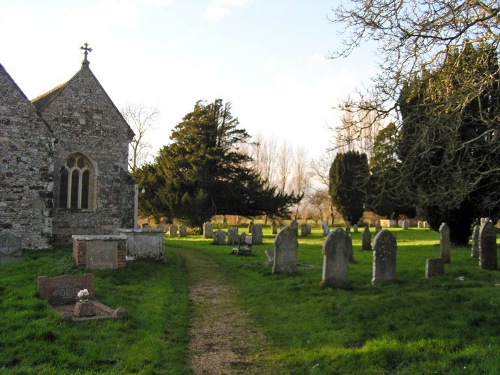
(26, 168)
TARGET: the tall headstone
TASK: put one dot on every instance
(336, 252)
(406, 224)
(10, 247)
(326, 228)
(475, 242)
(208, 230)
(434, 267)
(378, 227)
(173, 230)
(295, 227)
(304, 230)
(487, 247)
(182, 230)
(274, 227)
(384, 257)
(355, 228)
(219, 237)
(232, 235)
(366, 241)
(257, 234)
(285, 251)
(444, 242)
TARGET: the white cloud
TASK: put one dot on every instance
(221, 8)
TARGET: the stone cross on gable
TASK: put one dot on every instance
(86, 50)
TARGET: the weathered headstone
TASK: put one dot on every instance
(274, 228)
(336, 252)
(100, 251)
(326, 228)
(487, 247)
(285, 251)
(220, 237)
(10, 247)
(173, 230)
(384, 257)
(444, 242)
(182, 230)
(434, 267)
(295, 227)
(145, 243)
(378, 227)
(304, 230)
(475, 242)
(257, 234)
(208, 230)
(406, 224)
(63, 290)
(355, 228)
(232, 235)
(366, 241)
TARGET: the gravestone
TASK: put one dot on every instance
(336, 253)
(145, 243)
(285, 251)
(274, 228)
(295, 227)
(326, 228)
(487, 247)
(63, 290)
(378, 227)
(10, 247)
(173, 230)
(219, 237)
(434, 267)
(182, 231)
(232, 235)
(208, 230)
(100, 251)
(406, 224)
(475, 242)
(444, 242)
(355, 228)
(384, 257)
(256, 234)
(304, 230)
(366, 241)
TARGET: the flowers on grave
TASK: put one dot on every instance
(83, 295)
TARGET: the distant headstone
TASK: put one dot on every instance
(295, 227)
(285, 251)
(487, 247)
(257, 234)
(220, 237)
(63, 290)
(173, 230)
(274, 228)
(326, 228)
(434, 267)
(336, 252)
(355, 228)
(182, 230)
(378, 227)
(406, 224)
(304, 230)
(160, 226)
(208, 230)
(444, 242)
(384, 257)
(366, 241)
(10, 247)
(232, 235)
(426, 225)
(475, 242)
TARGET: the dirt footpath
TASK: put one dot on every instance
(221, 334)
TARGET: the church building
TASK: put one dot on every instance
(63, 162)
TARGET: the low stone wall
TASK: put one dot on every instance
(145, 243)
(100, 252)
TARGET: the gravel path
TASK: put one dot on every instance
(221, 334)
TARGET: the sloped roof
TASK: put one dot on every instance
(42, 101)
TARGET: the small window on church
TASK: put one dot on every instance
(76, 183)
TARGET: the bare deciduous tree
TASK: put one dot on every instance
(141, 119)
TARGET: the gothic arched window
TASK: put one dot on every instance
(77, 189)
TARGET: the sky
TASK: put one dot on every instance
(269, 58)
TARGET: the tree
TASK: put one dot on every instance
(348, 181)
(452, 156)
(203, 172)
(141, 119)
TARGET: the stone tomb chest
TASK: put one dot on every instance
(145, 243)
(100, 252)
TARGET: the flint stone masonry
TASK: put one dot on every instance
(62, 290)
(285, 251)
(434, 267)
(100, 252)
(145, 243)
(336, 253)
(10, 247)
(384, 257)
(487, 247)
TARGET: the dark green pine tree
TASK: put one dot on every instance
(349, 176)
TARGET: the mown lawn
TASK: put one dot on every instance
(446, 325)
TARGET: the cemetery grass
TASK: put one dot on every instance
(443, 325)
(152, 340)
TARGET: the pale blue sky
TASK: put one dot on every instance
(267, 57)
